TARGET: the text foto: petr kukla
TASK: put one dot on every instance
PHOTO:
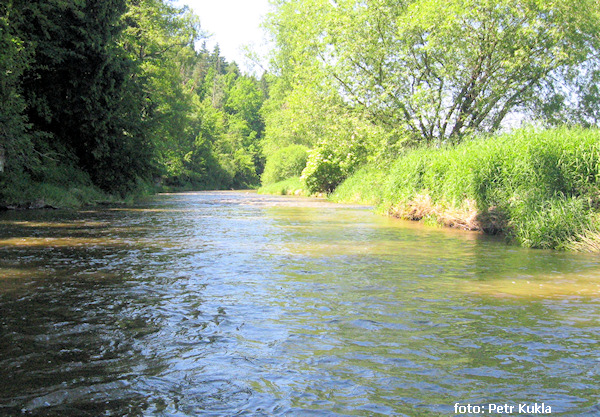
(534, 408)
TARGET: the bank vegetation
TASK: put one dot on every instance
(408, 104)
(102, 100)
(538, 188)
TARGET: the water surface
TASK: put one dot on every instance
(225, 303)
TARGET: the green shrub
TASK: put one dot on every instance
(323, 171)
(290, 186)
(285, 163)
(328, 166)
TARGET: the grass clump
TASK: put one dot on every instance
(362, 187)
(58, 186)
(290, 186)
(539, 188)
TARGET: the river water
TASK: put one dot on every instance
(234, 304)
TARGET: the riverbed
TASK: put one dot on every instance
(233, 304)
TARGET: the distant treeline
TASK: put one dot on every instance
(113, 94)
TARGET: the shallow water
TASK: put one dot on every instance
(228, 303)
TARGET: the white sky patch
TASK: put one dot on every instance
(233, 24)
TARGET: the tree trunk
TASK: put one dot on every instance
(2, 159)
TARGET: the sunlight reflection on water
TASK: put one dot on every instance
(224, 303)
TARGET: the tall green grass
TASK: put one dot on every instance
(543, 184)
(364, 186)
(291, 186)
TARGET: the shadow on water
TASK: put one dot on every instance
(101, 315)
(70, 348)
(235, 304)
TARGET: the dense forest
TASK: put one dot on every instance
(120, 96)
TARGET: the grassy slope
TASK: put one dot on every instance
(540, 188)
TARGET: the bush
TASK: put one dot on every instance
(323, 172)
(290, 186)
(285, 163)
(328, 166)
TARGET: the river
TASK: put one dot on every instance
(235, 304)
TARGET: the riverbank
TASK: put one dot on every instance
(45, 196)
(66, 186)
(290, 186)
(539, 188)
(71, 189)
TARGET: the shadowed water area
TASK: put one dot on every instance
(227, 303)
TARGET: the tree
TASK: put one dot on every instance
(307, 106)
(16, 146)
(160, 38)
(434, 70)
(78, 92)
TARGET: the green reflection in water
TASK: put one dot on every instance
(399, 310)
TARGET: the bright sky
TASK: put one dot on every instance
(233, 24)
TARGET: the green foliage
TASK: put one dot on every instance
(61, 88)
(358, 81)
(324, 170)
(290, 186)
(219, 143)
(298, 116)
(549, 222)
(64, 185)
(344, 147)
(79, 102)
(245, 100)
(435, 71)
(116, 90)
(541, 184)
(159, 39)
(15, 56)
(285, 163)
(364, 186)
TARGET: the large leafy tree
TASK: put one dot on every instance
(307, 106)
(444, 68)
(435, 70)
(159, 38)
